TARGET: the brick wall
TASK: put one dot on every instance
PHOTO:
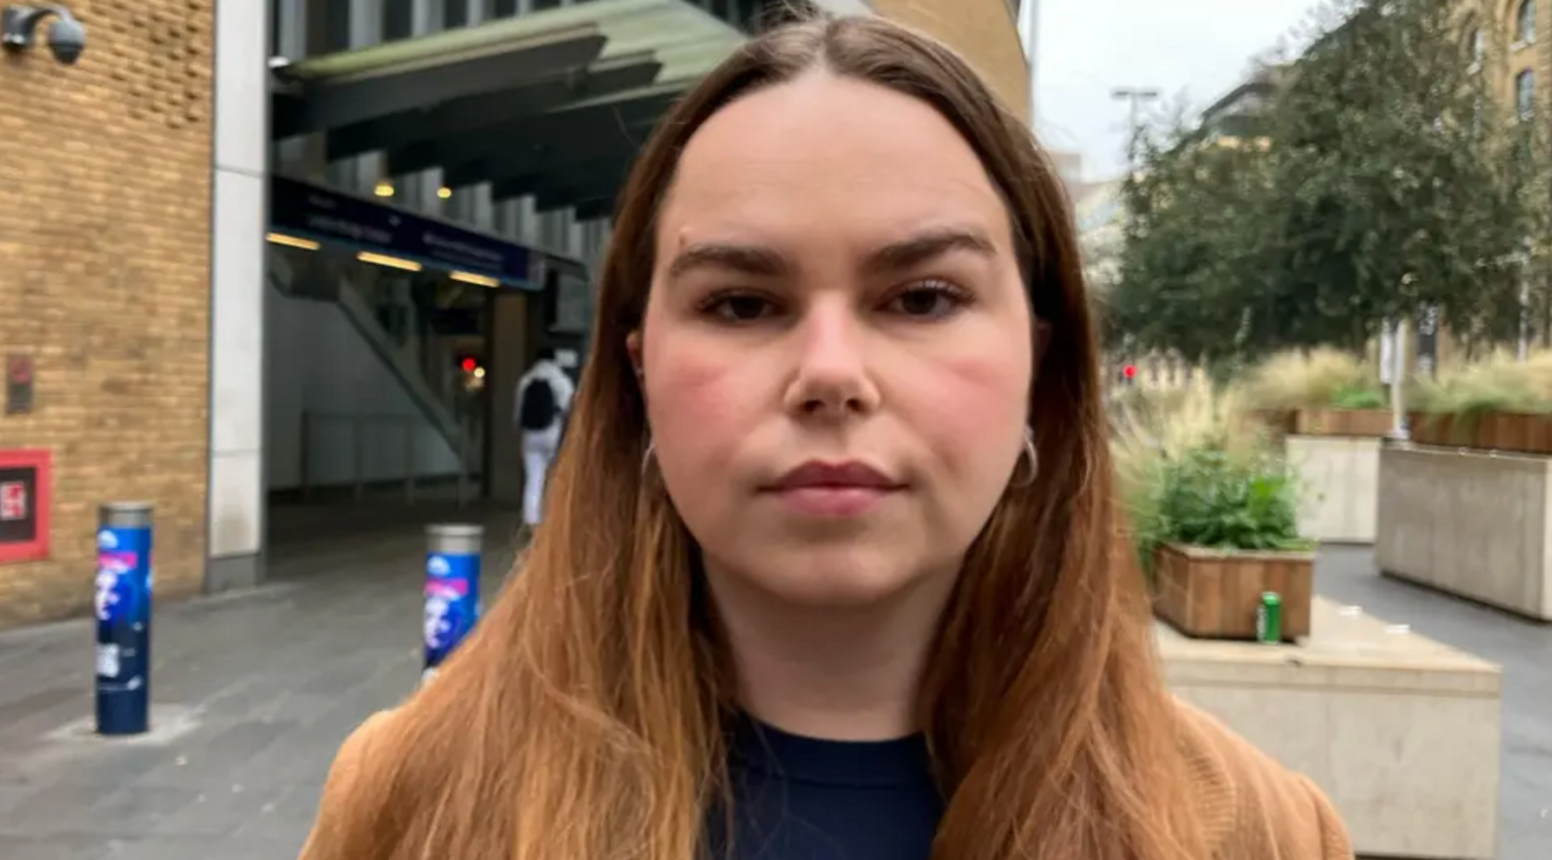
(984, 32)
(104, 279)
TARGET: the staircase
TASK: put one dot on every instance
(364, 294)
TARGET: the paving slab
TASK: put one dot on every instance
(252, 692)
(1522, 649)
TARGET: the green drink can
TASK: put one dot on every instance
(1269, 618)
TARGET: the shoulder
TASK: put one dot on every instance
(1251, 805)
(349, 789)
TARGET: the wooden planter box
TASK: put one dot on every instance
(1525, 433)
(1368, 423)
(1273, 423)
(1214, 594)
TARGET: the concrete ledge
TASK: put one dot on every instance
(1470, 523)
(1339, 486)
(1403, 733)
(233, 572)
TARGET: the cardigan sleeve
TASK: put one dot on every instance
(1254, 807)
(1335, 843)
(330, 837)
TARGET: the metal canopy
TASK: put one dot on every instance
(343, 89)
(517, 135)
(579, 85)
(467, 115)
(583, 131)
(582, 173)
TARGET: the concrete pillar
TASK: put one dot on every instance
(239, 179)
(510, 352)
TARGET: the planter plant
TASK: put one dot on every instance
(1322, 392)
(1501, 404)
(1216, 526)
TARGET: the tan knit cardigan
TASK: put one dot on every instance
(1255, 809)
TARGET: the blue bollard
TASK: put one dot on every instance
(123, 606)
(452, 590)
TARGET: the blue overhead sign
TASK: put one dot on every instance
(305, 210)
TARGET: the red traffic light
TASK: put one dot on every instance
(469, 364)
(1129, 371)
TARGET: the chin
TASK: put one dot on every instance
(847, 576)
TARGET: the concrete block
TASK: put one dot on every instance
(1339, 485)
(1470, 523)
(1401, 732)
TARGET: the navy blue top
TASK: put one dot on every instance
(799, 798)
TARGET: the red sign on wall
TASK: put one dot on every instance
(13, 501)
(24, 505)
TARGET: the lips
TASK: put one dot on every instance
(833, 490)
(835, 476)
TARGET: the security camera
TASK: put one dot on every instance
(66, 36)
(66, 40)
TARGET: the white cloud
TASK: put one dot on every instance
(1191, 49)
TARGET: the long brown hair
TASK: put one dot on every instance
(584, 719)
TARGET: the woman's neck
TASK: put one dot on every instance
(840, 673)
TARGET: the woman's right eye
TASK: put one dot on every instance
(738, 307)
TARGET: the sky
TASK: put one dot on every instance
(1192, 51)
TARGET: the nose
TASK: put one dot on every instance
(832, 377)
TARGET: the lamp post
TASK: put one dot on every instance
(1029, 35)
(1135, 97)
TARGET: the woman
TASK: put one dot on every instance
(829, 567)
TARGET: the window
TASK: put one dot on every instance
(505, 8)
(455, 13)
(539, 5)
(1525, 22)
(1525, 93)
(1476, 46)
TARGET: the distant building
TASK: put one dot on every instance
(1100, 219)
(1239, 118)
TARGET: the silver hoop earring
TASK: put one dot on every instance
(1031, 454)
(646, 458)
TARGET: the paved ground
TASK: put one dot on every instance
(1522, 648)
(259, 691)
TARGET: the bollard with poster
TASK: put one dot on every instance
(123, 607)
(452, 596)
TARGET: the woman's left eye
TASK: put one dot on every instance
(928, 300)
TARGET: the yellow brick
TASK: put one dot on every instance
(105, 280)
(984, 32)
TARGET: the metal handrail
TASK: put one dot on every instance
(360, 423)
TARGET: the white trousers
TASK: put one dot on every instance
(539, 447)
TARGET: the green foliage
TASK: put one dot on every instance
(1502, 383)
(1393, 182)
(1312, 379)
(1358, 397)
(1187, 241)
(1210, 497)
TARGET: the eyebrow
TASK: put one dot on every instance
(763, 261)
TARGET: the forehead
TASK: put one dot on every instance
(832, 160)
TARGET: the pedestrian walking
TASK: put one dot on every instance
(540, 406)
(830, 568)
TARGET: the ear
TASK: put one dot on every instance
(633, 349)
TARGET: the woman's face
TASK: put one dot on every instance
(836, 354)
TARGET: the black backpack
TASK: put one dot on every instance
(539, 406)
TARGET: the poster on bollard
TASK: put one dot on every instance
(452, 605)
(123, 608)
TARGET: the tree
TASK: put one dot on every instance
(1392, 184)
(1188, 244)
(1397, 183)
